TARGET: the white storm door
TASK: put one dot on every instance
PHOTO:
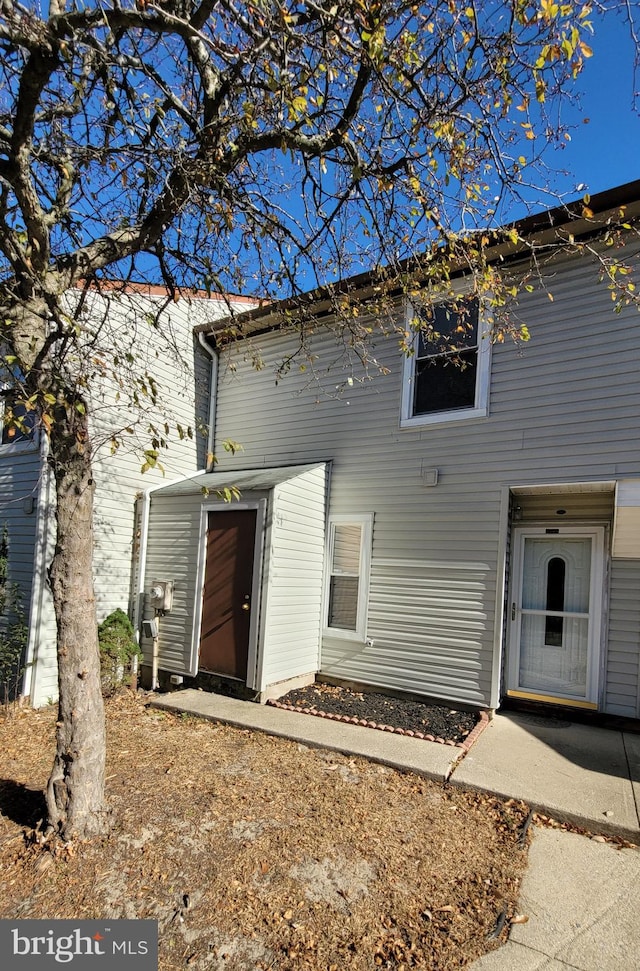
(556, 609)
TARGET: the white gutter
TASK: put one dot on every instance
(213, 395)
(142, 554)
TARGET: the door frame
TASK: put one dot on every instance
(259, 506)
(596, 614)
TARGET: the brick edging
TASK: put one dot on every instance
(475, 732)
(472, 737)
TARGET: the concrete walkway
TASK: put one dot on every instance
(581, 897)
(589, 776)
(582, 900)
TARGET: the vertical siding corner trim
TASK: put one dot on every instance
(42, 532)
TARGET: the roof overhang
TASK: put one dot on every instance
(212, 485)
(572, 221)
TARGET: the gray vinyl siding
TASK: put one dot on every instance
(427, 623)
(624, 639)
(292, 618)
(421, 546)
(26, 511)
(117, 484)
(172, 554)
(563, 408)
(19, 485)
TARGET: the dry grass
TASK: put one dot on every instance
(253, 852)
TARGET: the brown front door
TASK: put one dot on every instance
(226, 607)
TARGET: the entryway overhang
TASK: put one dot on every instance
(264, 589)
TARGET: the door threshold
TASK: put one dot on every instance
(223, 685)
(552, 700)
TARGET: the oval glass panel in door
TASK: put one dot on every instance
(554, 619)
(556, 576)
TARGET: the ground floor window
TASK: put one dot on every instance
(349, 556)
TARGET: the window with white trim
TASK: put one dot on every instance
(349, 559)
(19, 424)
(446, 377)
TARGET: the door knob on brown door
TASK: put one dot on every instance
(246, 605)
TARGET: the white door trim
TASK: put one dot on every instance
(596, 602)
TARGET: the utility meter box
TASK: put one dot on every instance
(150, 628)
(161, 595)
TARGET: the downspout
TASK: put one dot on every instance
(142, 553)
(212, 352)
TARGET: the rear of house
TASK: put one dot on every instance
(480, 537)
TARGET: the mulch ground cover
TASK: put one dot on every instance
(433, 722)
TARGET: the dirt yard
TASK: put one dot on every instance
(257, 853)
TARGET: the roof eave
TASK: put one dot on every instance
(540, 229)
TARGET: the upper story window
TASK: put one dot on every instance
(447, 376)
(18, 423)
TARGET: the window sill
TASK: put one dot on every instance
(444, 417)
(18, 448)
(344, 635)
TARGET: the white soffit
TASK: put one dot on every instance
(560, 488)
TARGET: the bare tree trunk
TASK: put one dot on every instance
(75, 791)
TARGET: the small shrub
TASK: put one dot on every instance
(118, 648)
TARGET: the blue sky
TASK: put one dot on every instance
(605, 152)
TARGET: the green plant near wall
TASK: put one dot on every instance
(118, 649)
(13, 629)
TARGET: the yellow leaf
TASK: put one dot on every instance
(549, 9)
